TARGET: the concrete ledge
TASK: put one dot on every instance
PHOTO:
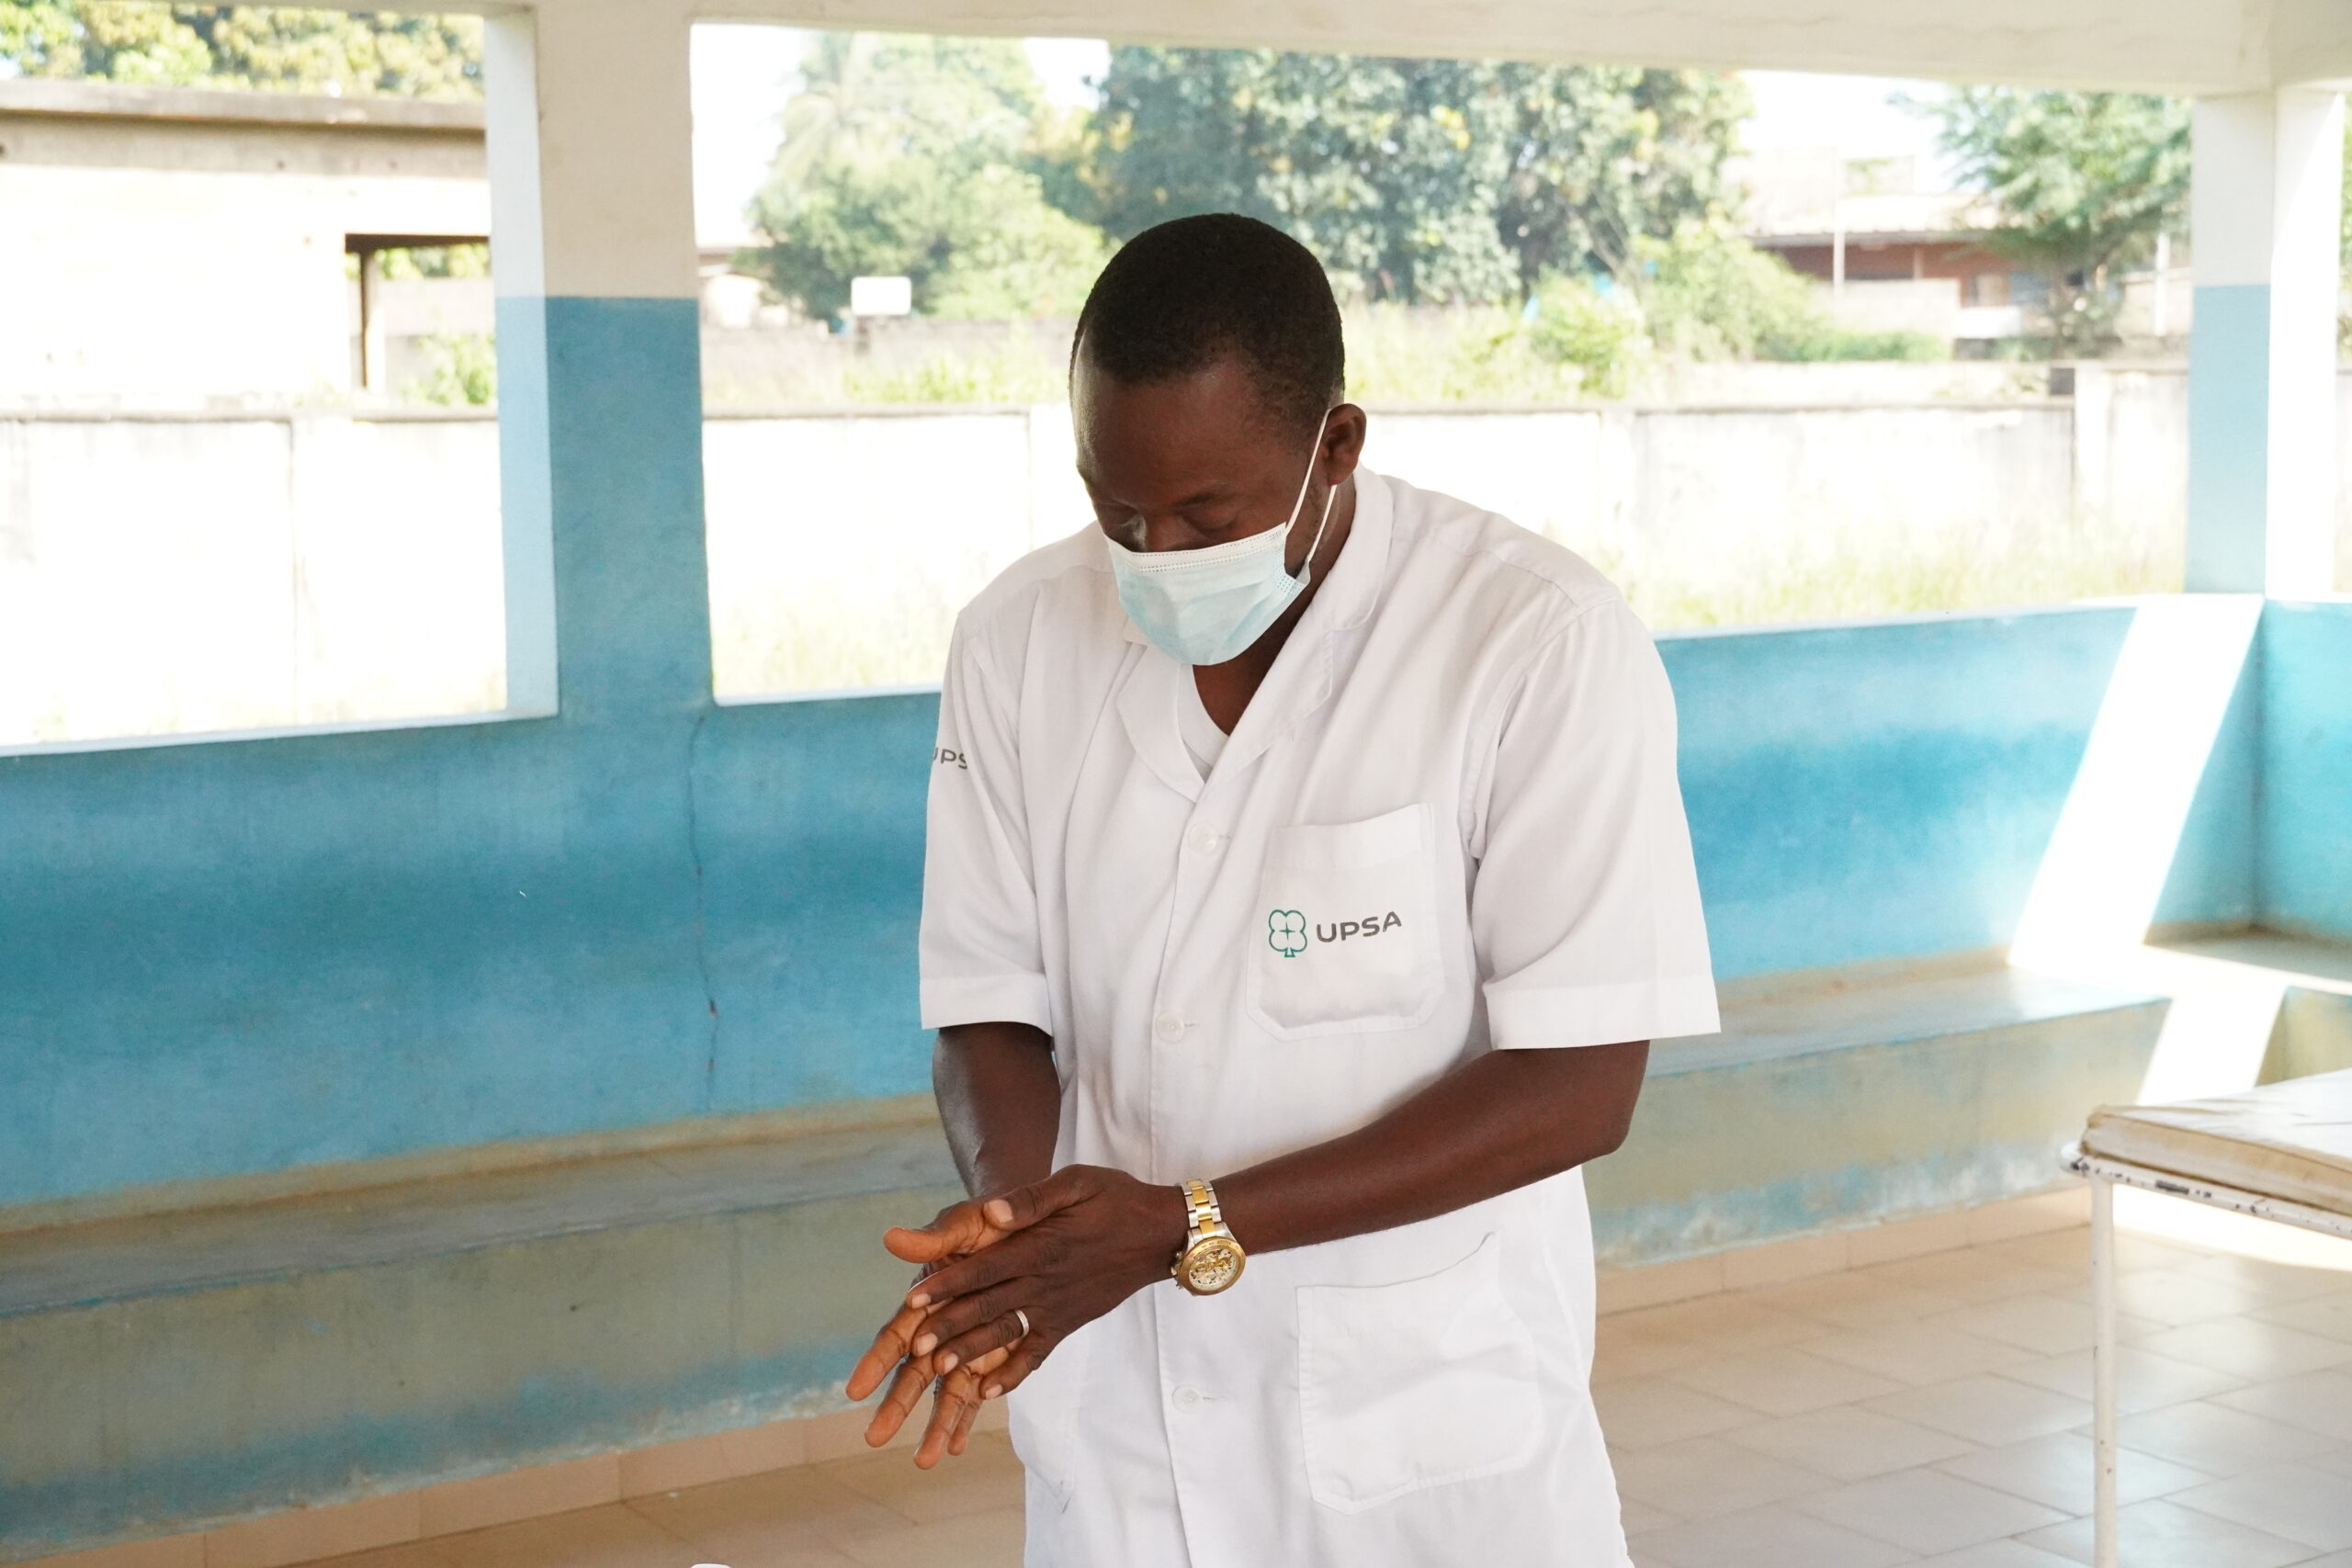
(1847, 1097)
(244, 1372)
(396, 1518)
(1802, 1258)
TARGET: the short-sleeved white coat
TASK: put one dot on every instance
(1447, 823)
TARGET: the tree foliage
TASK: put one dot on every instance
(2082, 183)
(914, 156)
(1431, 182)
(266, 47)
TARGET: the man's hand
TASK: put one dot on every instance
(1069, 1248)
(959, 1229)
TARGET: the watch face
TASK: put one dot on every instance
(1212, 1265)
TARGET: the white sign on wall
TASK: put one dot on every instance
(881, 296)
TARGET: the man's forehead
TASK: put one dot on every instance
(1210, 425)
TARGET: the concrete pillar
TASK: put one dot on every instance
(600, 403)
(2263, 214)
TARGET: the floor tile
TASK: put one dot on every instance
(1723, 1324)
(2048, 1326)
(1701, 1477)
(1638, 1516)
(416, 1554)
(2142, 1380)
(975, 1540)
(2330, 1315)
(1985, 1409)
(2218, 1439)
(1914, 1353)
(2276, 1282)
(1850, 1301)
(2251, 1349)
(1970, 1275)
(2308, 1505)
(1641, 1413)
(2318, 1402)
(1848, 1443)
(2337, 1461)
(608, 1537)
(2055, 1472)
(2066, 1251)
(801, 1507)
(1770, 1536)
(1994, 1555)
(1651, 1341)
(985, 1477)
(1926, 1510)
(2175, 1296)
(1782, 1381)
(2160, 1533)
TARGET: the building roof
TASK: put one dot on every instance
(120, 100)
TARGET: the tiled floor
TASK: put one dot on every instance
(1933, 1411)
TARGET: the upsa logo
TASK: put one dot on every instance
(1286, 930)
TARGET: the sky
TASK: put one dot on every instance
(742, 75)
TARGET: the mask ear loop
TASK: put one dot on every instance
(1306, 567)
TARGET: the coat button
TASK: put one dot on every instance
(1207, 841)
(1187, 1398)
(1169, 1026)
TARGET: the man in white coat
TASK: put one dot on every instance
(1307, 874)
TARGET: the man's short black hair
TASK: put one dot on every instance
(1183, 294)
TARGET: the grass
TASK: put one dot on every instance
(815, 641)
(1954, 575)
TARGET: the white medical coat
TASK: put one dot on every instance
(1447, 823)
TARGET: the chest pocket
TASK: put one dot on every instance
(1346, 938)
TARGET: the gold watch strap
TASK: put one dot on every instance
(1206, 1217)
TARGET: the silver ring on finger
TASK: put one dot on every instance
(1023, 1317)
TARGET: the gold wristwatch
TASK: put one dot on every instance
(1212, 1259)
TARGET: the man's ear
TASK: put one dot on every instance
(1344, 436)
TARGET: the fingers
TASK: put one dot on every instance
(1024, 1206)
(967, 1313)
(1011, 1258)
(959, 1228)
(955, 1402)
(1020, 1360)
(1001, 1332)
(961, 1438)
(890, 1347)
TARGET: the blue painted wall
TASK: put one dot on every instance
(2305, 864)
(221, 959)
(1880, 791)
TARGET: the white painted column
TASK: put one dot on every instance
(593, 259)
(2263, 214)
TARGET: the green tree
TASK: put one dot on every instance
(1433, 182)
(279, 48)
(915, 156)
(2082, 183)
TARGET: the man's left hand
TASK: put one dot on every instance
(1079, 1243)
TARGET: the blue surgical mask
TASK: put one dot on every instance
(1208, 605)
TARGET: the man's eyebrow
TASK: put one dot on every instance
(1215, 491)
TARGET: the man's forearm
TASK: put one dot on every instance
(1495, 1124)
(1001, 1101)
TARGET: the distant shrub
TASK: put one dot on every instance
(1601, 334)
(461, 369)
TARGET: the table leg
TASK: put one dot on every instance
(2103, 1369)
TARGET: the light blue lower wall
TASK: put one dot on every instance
(222, 959)
(2305, 861)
